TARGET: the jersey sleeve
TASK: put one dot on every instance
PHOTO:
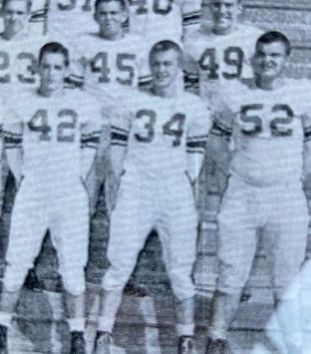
(144, 73)
(12, 127)
(191, 13)
(191, 67)
(199, 129)
(223, 115)
(306, 123)
(120, 127)
(196, 139)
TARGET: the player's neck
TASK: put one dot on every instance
(268, 84)
(113, 37)
(225, 32)
(167, 92)
(50, 93)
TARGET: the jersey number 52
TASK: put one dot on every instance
(279, 126)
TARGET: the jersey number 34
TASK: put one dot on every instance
(173, 127)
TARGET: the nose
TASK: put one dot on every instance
(108, 16)
(222, 8)
(13, 16)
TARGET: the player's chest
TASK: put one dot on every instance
(18, 64)
(155, 125)
(45, 124)
(80, 6)
(266, 119)
(153, 8)
(111, 64)
(223, 60)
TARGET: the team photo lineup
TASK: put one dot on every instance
(151, 110)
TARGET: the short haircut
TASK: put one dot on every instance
(123, 3)
(55, 48)
(274, 36)
(164, 46)
(28, 3)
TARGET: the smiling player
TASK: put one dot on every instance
(161, 139)
(48, 133)
(268, 120)
(111, 60)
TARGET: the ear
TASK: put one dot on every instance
(125, 15)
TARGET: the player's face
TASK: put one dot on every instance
(165, 68)
(224, 14)
(110, 17)
(15, 16)
(269, 60)
(52, 70)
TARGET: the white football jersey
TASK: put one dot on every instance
(19, 59)
(268, 130)
(51, 132)
(159, 132)
(162, 19)
(71, 17)
(112, 65)
(216, 59)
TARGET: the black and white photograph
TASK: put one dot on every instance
(155, 177)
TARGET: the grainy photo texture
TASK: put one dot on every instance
(155, 176)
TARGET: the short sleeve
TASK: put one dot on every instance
(199, 127)
(119, 126)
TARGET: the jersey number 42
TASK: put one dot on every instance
(65, 131)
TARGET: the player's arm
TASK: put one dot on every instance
(307, 154)
(119, 143)
(144, 74)
(13, 134)
(90, 138)
(119, 136)
(196, 140)
(191, 69)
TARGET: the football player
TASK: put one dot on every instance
(18, 62)
(268, 120)
(218, 54)
(111, 60)
(161, 141)
(48, 133)
(149, 18)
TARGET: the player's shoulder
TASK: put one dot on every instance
(249, 29)
(195, 38)
(81, 98)
(191, 98)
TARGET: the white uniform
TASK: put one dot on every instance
(216, 59)
(19, 60)
(264, 190)
(112, 67)
(51, 133)
(213, 61)
(71, 18)
(155, 190)
(162, 19)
